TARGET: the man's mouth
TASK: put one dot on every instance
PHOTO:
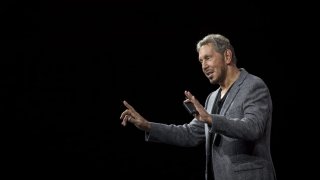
(209, 74)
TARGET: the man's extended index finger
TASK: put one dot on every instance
(128, 105)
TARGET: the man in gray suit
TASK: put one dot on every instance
(235, 123)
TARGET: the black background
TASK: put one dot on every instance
(70, 65)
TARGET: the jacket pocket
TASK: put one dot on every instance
(252, 170)
(247, 166)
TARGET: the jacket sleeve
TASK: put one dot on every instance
(186, 135)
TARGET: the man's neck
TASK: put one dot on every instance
(232, 76)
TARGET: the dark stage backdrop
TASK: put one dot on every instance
(74, 62)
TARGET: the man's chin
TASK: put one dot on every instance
(212, 81)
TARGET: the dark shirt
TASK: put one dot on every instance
(219, 102)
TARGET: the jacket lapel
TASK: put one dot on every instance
(233, 91)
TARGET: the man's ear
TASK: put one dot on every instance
(228, 56)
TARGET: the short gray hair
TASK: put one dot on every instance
(219, 42)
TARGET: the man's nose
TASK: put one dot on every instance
(204, 65)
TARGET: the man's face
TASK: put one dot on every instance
(213, 64)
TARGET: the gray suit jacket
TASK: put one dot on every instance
(238, 142)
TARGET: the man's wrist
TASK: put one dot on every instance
(209, 119)
(145, 126)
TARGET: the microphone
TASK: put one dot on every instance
(190, 108)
